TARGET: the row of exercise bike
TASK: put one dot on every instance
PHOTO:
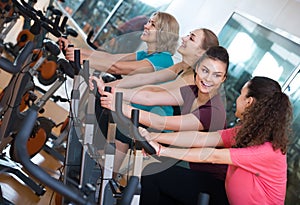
(25, 132)
(81, 156)
(88, 175)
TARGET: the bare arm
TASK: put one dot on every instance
(131, 67)
(176, 123)
(204, 155)
(182, 122)
(146, 97)
(175, 84)
(146, 78)
(186, 138)
(92, 55)
(111, 63)
(152, 78)
(202, 144)
(113, 83)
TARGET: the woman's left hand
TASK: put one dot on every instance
(147, 135)
(108, 100)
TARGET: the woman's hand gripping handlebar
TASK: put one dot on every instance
(133, 124)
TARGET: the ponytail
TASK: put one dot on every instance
(268, 119)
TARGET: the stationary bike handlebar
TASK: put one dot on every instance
(132, 124)
(136, 134)
(28, 11)
(22, 153)
(16, 66)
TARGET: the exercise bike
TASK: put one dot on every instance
(70, 192)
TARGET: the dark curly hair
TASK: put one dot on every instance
(268, 119)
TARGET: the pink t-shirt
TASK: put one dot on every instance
(258, 174)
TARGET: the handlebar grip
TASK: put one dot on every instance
(77, 61)
(56, 22)
(65, 67)
(133, 124)
(63, 24)
(107, 89)
(119, 112)
(95, 90)
(136, 134)
(88, 40)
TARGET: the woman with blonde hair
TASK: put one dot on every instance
(161, 37)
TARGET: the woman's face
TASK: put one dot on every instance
(242, 102)
(210, 75)
(150, 29)
(191, 44)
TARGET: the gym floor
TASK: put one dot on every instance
(18, 193)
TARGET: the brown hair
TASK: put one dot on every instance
(268, 119)
(216, 53)
(209, 39)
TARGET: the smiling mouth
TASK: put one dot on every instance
(206, 84)
(183, 45)
(145, 32)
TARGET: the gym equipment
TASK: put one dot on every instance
(109, 193)
(67, 191)
(82, 169)
(7, 21)
(12, 116)
(45, 65)
(19, 85)
(141, 142)
(9, 112)
(203, 198)
(21, 150)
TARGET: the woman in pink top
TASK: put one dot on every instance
(255, 150)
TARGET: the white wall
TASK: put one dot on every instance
(213, 14)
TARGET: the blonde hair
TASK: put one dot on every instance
(168, 32)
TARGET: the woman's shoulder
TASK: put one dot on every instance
(163, 53)
(181, 69)
(189, 91)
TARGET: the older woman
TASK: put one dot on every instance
(161, 37)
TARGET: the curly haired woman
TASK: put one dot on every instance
(255, 150)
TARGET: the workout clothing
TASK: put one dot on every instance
(212, 116)
(177, 185)
(258, 174)
(159, 61)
